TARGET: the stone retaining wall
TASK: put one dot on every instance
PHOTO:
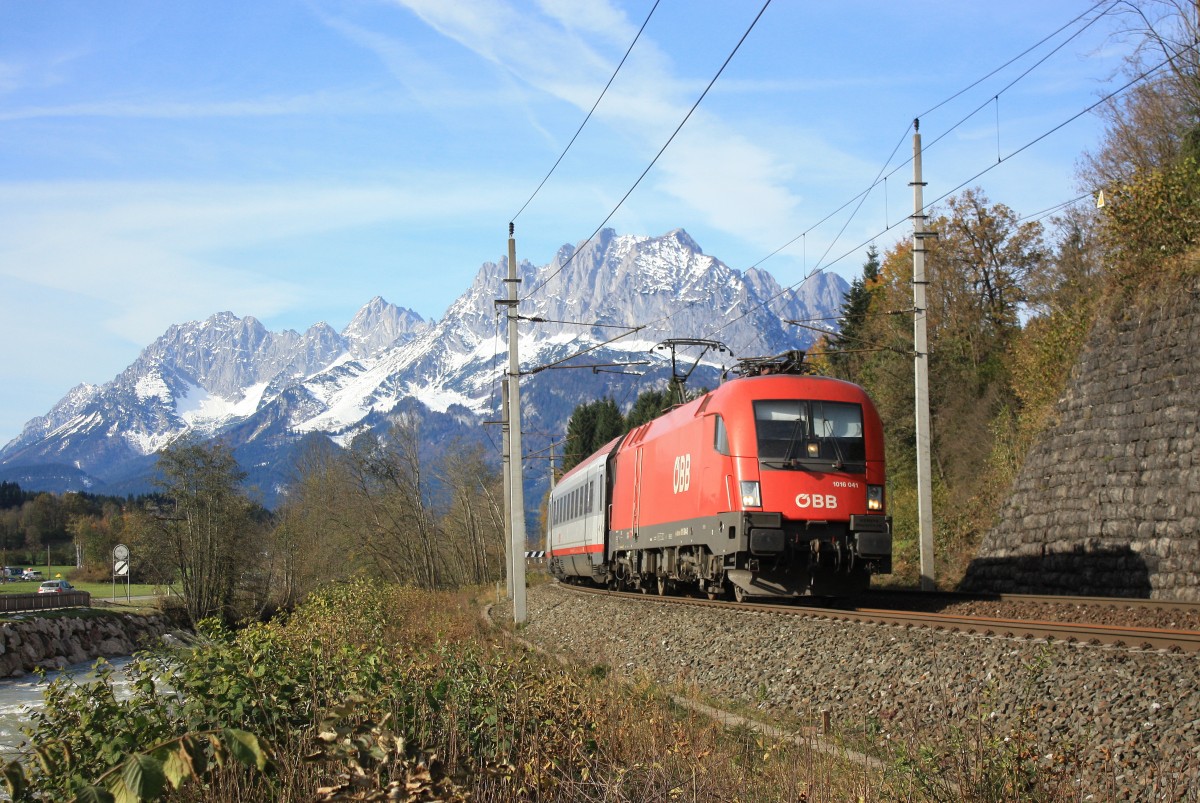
(1108, 502)
(55, 642)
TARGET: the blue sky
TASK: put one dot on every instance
(163, 161)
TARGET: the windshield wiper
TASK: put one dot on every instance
(792, 440)
(837, 449)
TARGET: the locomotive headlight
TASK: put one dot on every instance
(875, 497)
(751, 496)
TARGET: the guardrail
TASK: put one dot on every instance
(41, 602)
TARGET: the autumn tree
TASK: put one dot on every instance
(388, 479)
(392, 505)
(981, 269)
(317, 524)
(208, 524)
(473, 521)
(1156, 122)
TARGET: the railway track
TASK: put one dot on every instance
(1132, 637)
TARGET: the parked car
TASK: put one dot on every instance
(55, 587)
(32, 574)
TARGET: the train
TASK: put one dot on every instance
(770, 485)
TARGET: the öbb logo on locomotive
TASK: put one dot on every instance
(816, 500)
(682, 475)
(771, 484)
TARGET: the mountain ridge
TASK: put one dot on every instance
(265, 392)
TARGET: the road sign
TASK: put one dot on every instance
(120, 561)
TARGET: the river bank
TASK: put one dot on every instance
(32, 641)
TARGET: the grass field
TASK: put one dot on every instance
(101, 589)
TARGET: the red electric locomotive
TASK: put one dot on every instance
(770, 485)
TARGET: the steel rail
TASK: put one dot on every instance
(1129, 637)
(1052, 599)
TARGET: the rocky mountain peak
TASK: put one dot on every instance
(264, 392)
(378, 325)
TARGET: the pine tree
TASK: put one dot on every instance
(650, 404)
(855, 310)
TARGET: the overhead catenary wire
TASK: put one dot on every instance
(996, 97)
(1052, 209)
(822, 264)
(1019, 56)
(538, 319)
(881, 178)
(1140, 77)
(587, 350)
(589, 114)
(874, 346)
(658, 155)
(861, 196)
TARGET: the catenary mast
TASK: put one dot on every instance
(921, 369)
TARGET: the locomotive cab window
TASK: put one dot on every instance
(810, 435)
(720, 435)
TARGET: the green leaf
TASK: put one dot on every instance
(245, 747)
(121, 793)
(143, 776)
(176, 764)
(93, 794)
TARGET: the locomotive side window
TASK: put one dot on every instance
(815, 435)
(720, 435)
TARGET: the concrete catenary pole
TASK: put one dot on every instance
(921, 370)
(516, 474)
(508, 542)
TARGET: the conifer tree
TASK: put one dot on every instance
(844, 347)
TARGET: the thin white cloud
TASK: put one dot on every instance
(590, 17)
(326, 103)
(750, 197)
(123, 244)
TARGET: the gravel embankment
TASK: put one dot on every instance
(1118, 614)
(1131, 717)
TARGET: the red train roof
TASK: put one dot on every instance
(737, 393)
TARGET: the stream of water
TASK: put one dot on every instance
(20, 696)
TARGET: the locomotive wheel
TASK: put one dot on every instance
(664, 586)
(739, 593)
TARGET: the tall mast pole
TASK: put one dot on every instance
(508, 540)
(921, 370)
(515, 473)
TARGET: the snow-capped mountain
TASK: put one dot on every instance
(265, 392)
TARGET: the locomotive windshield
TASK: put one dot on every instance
(810, 435)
